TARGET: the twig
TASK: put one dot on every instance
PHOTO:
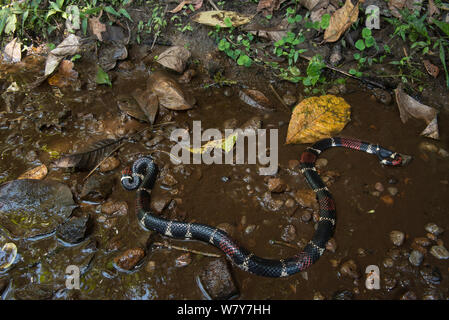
(211, 2)
(282, 243)
(169, 246)
(279, 98)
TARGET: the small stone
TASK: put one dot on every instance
(154, 141)
(249, 229)
(422, 241)
(109, 164)
(306, 198)
(276, 185)
(431, 275)
(169, 180)
(150, 267)
(388, 262)
(318, 296)
(349, 269)
(289, 99)
(428, 147)
(183, 260)
(160, 203)
(293, 164)
(439, 252)
(443, 153)
(409, 295)
(216, 280)
(387, 199)
(321, 163)
(288, 233)
(390, 283)
(392, 190)
(431, 236)
(343, 295)
(113, 208)
(227, 227)
(433, 228)
(74, 230)
(290, 203)
(379, 187)
(397, 237)
(392, 180)
(306, 216)
(361, 252)
(129, 259)
(416, 258)
(331, 245)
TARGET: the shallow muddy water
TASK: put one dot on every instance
(64, 121)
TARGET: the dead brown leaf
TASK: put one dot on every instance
(410, 108)
(432, 69)
(65, 75)
(169, 93)
(174, 58)
(341, 20)
(96, 27)
(148, 103)
(433, 11)
(37, 173)
(268, 6)
(13, 52)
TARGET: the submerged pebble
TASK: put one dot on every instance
(439, 252)
(397, 237)
(416, 258)
(129, 259)
(433, 228)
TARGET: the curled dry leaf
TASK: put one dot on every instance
(96, 27)
(255, 99)
(218, 17)
(65, 75)
(168, 92)
(197, 4)
(268, 6)
(36, 173)
(174, 58)
(310, 4)
(316, 118)
(68, 47)
(13, 52)
(432, 69)
(148, 102)
(410, 108)
(341, 20)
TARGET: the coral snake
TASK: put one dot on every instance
(143, 173)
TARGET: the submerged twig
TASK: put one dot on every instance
(169, 246)
(279, 98)
(211, 2)
(282, 243)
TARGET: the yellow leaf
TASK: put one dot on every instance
(225, 144)
(316, 118)
(341, 20)
(217, 17)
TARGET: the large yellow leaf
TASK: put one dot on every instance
(316, 118)
(212, 18)
(341, 20)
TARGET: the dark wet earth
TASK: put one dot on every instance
(372, 201)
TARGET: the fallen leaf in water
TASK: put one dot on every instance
(255, 99)
(168, 92)
(8, 255)
(37, 173)
(410, 108)
(432, 69)
(13, 52)
(65, 75)
(131, 106)
(224, 19)
(174, 58)
(341, 20)
(69, 47)
(316, 118)
(311, 4)
(268, 6)
(148, 102)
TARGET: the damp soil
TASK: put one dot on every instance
(64, 121)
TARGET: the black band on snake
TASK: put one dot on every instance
(144, 172)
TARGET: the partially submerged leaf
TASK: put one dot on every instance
(268, 6)
(341, 20)
(96, 27)
(169, 93)
(68, 47)
(224, 19)
(148, 102)
(226, 144)
(255, 99)
(316, 118)
(65, 75)
(432, 69)
(37, 173)
(102, 77)
(410, 108)
(30, 208)
(174, 58)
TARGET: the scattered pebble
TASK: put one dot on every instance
(306, 198)
(422, 241)
(289, 99)
(409, 295)
(293, 164)
(390, 283)
(416, 258)
(439, 252)
(169, 180)
(433, 228)
(321, 163)
(249, 229)
(387, 199)
(129, 259)
(276, 185)
(392, 190)
(113, 208)
(306, 216)
(331, 245)
(160, 203)
(318, 296)
(290, 203)
(183, 260)
(228, 228)
(350, 269)
(74, 230)
(428, 147)
(288, 233)
(343, 295)
(151, 266)
(397, 237)
(216, 281)
(388, 262)
(379, 187)
(431, 275)
(443, 153)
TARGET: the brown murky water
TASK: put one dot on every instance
(66, 120)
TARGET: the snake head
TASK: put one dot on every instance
(391, 158)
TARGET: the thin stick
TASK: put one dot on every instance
(213, 5)
(169, 246)
(282, 243)
(279, 98)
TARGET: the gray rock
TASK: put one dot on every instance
(439, 252)
(431, 275)
(73, 230)
(433, 228)
(216, 281)
(416, 258)
(397, 237)
(97, 187)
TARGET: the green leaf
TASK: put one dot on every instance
(443, 61)
(442, 25)
(366, 33)
(352, 71)
(360, 44)
(325, 20)
(102, 77)
(60, 3)
(3, 17)
(227, 21)
(11, 24)
(75, 57)
(111, 10)
(124, 13)
(244, 60)
(369, 42)
(357, 56)
(84, 25)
